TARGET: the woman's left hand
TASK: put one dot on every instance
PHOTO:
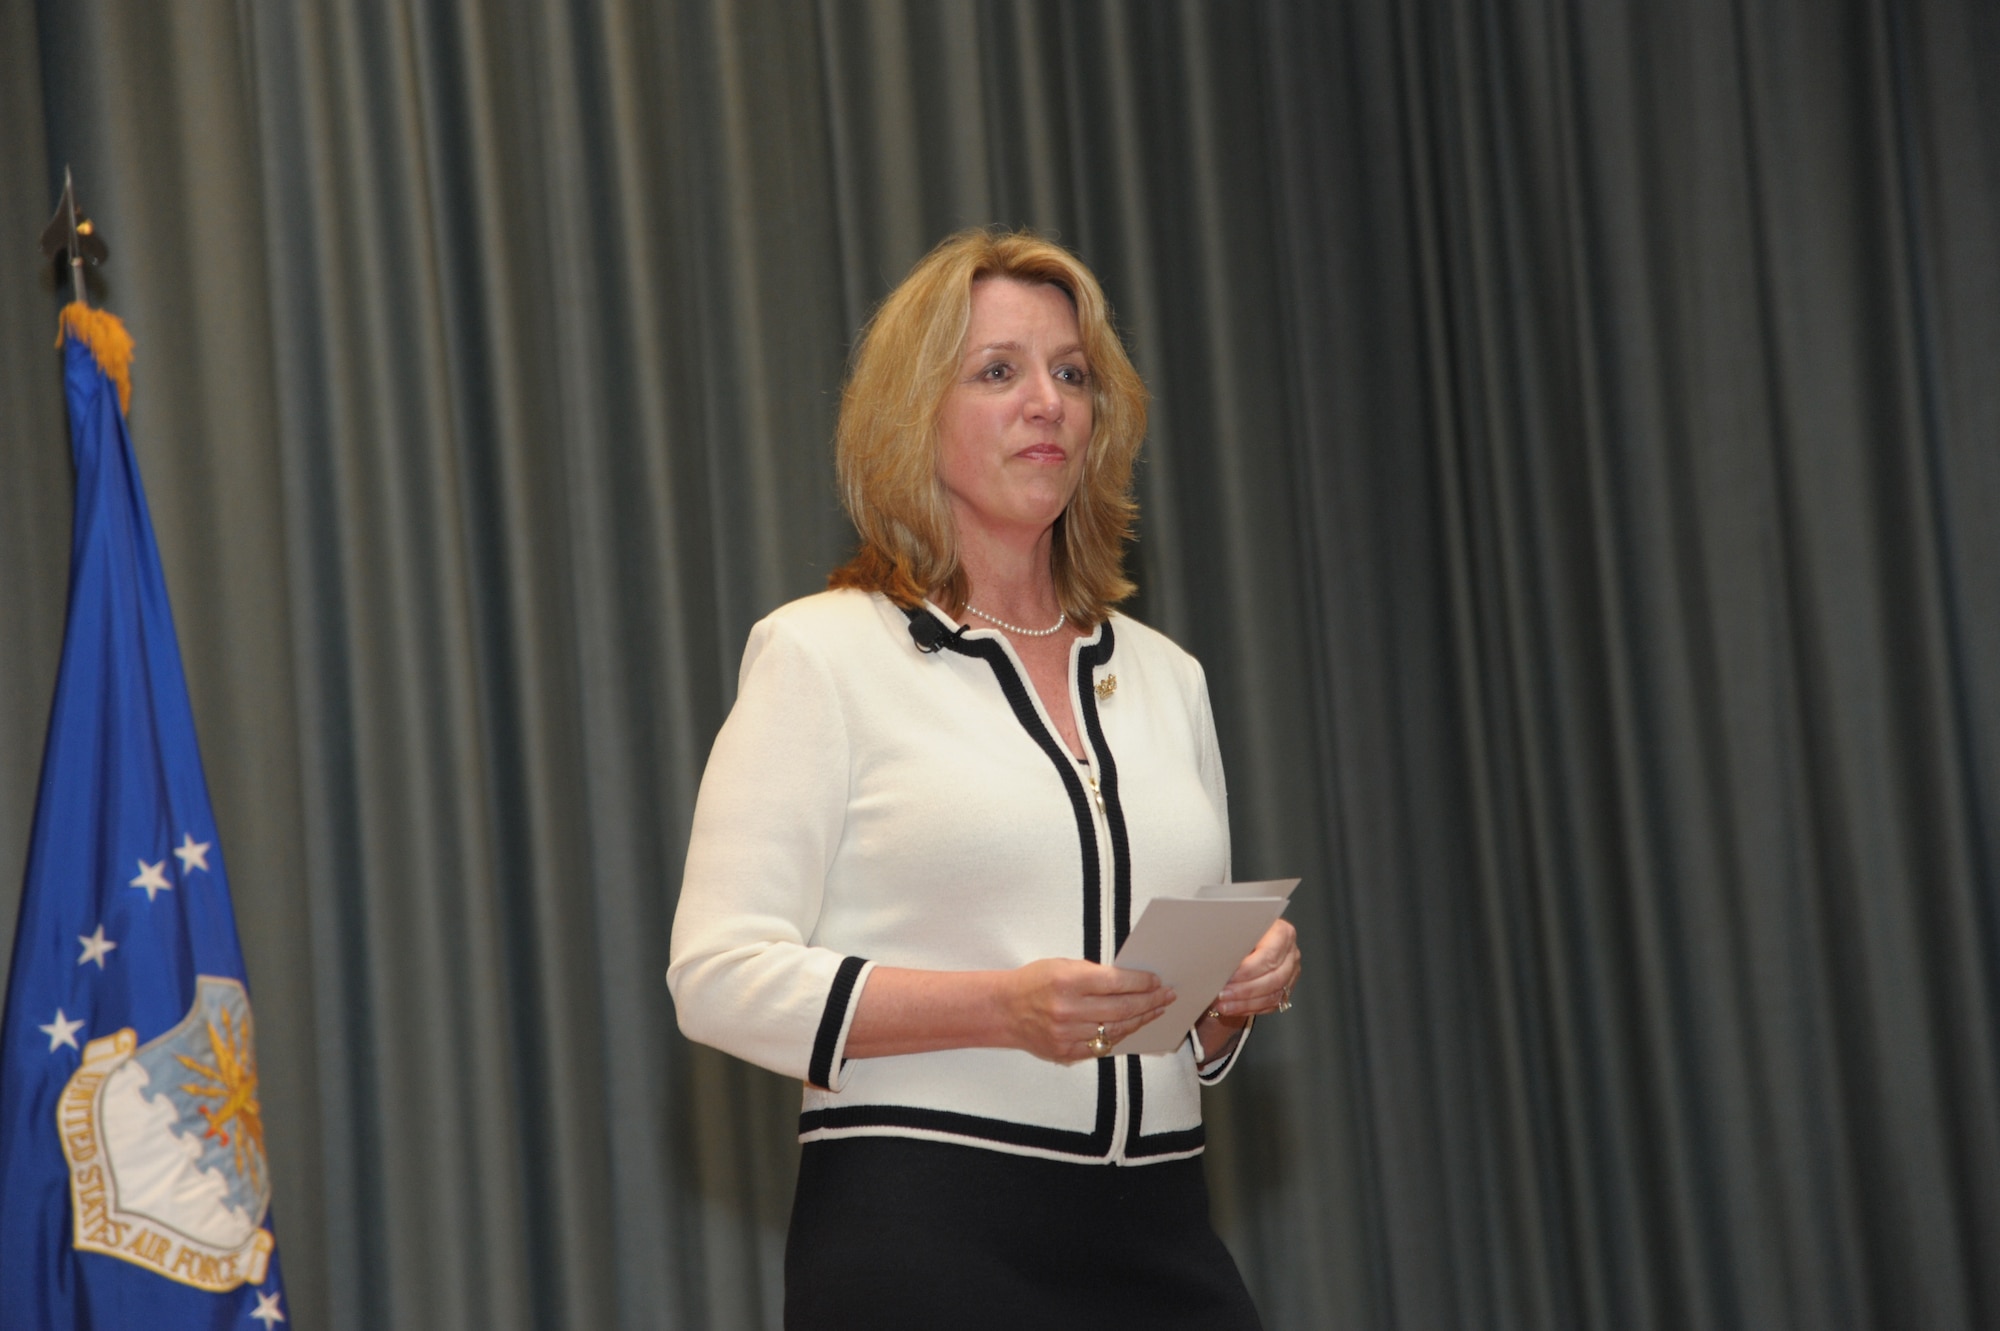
(1266, 979)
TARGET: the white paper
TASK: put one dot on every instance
(1272, 887)
(1194, 945)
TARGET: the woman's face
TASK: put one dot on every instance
(1017, 420)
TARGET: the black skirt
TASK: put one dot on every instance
(892, 1232)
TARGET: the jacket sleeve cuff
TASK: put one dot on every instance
(1213, 1070)
(828, 1068)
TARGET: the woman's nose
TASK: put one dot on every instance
(1045, 400)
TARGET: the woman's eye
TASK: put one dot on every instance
(1073, 374)
(996, 372)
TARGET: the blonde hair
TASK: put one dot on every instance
(886, 445)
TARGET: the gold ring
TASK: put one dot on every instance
(1096, 1044)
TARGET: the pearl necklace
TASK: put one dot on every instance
(1061, 619)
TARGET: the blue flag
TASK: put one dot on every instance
(134, 1189)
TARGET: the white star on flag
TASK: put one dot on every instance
(153, 877)
(61, 1031)
(194, 854)
(95, 947)
(267, 1310)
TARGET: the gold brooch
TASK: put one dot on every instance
(1106, 687)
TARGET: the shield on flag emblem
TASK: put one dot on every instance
(166, 1146)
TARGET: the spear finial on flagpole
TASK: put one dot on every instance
(70, 239)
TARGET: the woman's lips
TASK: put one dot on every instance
(1044, 453)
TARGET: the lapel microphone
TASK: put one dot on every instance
(929, 635)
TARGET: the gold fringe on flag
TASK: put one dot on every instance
(106, 338)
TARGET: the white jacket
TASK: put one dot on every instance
(869, 803)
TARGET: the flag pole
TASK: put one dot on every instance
(72, 237)
(75, 255)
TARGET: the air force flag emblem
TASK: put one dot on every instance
(165, 1144)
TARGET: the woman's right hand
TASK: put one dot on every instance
(1055, 1006)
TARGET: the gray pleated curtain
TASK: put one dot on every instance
(1574, 448)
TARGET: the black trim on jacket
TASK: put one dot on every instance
(820, 1070)
(1137, 1144)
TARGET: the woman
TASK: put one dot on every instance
(947, 788)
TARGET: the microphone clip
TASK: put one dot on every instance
(929, 635)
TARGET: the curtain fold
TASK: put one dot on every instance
(1572, 452)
